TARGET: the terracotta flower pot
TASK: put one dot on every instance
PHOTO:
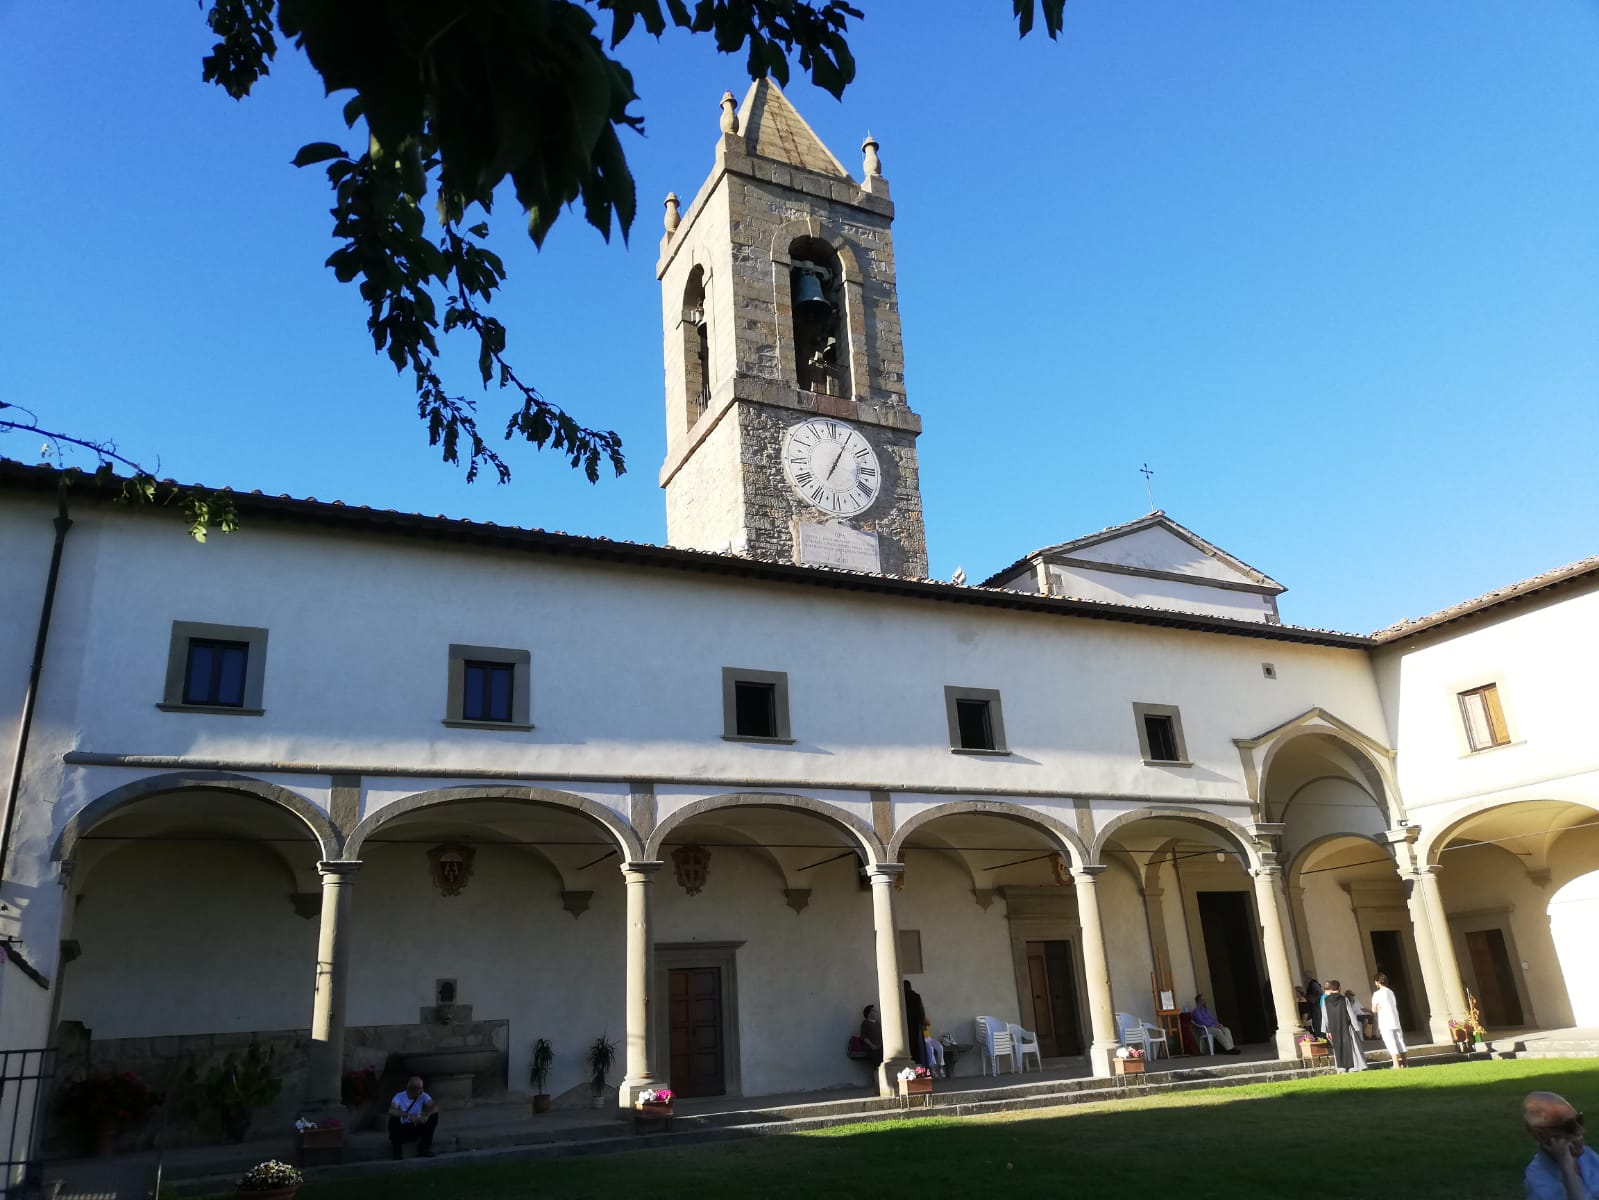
(541, 1103)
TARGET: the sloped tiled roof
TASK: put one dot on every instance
(1505, 595)
(362, 521)
(773, 128)
(1147, 521)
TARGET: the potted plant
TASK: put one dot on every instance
(601, 1057)
(231, 1091)
(104, 1106)
(655, 1102)
(271, 1179)
(539, 1074)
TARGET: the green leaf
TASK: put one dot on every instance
(317, 152)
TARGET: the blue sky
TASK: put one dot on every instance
(1331, 269)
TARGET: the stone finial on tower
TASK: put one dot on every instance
(873, 164)
(729, 113)
(672, 218)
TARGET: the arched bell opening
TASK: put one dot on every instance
(479, 925)
(764, 947)
(1516, 930)
(816, 298)
(989, 926)
(695, 327)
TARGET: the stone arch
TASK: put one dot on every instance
(791, 231)
(1071, 844)
(626, 838)
(1296, 865)
(86, 818)
(857, 829)
(1372, 759)
(1431, 843)
(1230, 830)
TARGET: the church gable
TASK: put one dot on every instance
(1166, 547)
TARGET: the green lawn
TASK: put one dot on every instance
(1450, 1131)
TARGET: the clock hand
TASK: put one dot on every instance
(836, 460)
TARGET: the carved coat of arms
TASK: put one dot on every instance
(692, 865)
(452, 867)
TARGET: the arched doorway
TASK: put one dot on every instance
(1503, 868)
(990, 924)
(764, 947)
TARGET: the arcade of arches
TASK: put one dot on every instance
(731, 947)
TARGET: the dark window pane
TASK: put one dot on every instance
(215, 673)
(976, 730)
(486, 691)
(1162, 735)
(755, 709)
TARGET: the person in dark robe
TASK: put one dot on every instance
(1343, 1030)
(915, 1018)
(872, 1033)
(1313, 1000)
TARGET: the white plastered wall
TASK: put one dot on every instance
(513, 951)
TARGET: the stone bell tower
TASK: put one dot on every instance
(788, 434)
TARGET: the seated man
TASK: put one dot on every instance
(413, 1117)
(1206, 1019)
(933, 1050)
(1562, 1169)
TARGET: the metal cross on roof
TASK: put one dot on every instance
(1148, 474)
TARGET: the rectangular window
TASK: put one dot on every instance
(910, 952)
(755, 709)
(1484, 717)
(976, 730)
(1160, 734)
(976, 723)
(487, 694)
(215, 668)
(215, 673)
(755, 705)
(489, 685)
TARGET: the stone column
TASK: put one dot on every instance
(890, 995)
(1437, 1003)
(1269, 901)
(1096, 971)
(640, 981)
(325, 1057)
(1436, 924)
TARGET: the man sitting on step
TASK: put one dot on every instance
(1206, 1019)
(413, 1117)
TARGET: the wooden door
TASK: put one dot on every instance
(1237, 987)
(1497, 999)
(1389, 953)
(695, 1003)
(1053, 984)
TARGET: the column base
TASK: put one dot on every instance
(1288, 1043)
(628, 1090)
(1099, 1056)
(888, 1075)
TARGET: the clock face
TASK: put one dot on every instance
(831, 466)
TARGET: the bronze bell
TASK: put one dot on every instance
(809, 299)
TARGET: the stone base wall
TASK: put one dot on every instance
(162, 1063)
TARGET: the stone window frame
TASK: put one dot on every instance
(911, 961)
(996, 719)
(521, 663)
(1142, 710)
(183, 632)
(731, 678)
(1507, 711)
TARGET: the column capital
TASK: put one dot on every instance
(1089, 873)
(1401, 834)
(1423, 869)
(643, 866)
(884, 873)
(338, 868)
(1269, 871)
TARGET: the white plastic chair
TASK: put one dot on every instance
(1135, 1032)
(1025, 1043)
(1204, 1034)
(993, 1038)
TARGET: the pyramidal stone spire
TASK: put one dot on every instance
(773, 129)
